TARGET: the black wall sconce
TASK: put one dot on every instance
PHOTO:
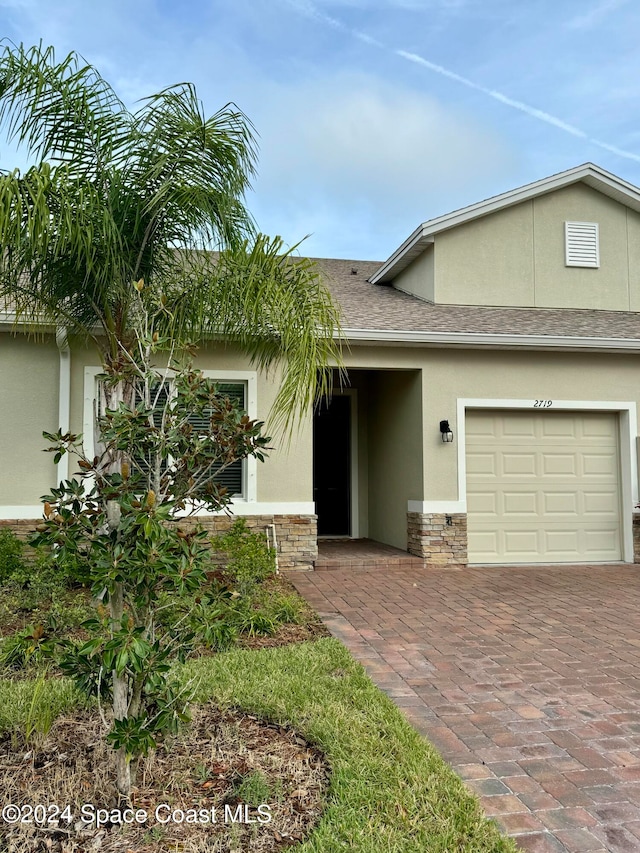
(446, 433)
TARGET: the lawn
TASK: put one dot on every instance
(338, 763)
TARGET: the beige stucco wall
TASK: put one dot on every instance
(488, 261)
(516, 256)
(28, 405)
(418, 278)
(557, 286)
(395, 453)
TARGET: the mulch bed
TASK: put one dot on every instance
(285, 635)
(207, 770)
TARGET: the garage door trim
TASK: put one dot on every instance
(628, 429)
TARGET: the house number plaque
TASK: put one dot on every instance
(542, 404)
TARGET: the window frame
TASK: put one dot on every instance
(246, 377)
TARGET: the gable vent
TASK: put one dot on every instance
(581, 244)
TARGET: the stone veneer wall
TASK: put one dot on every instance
(22, 527)
(438, 543)
(296, 534)
(636, 537)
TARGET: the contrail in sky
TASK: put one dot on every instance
(307, 8)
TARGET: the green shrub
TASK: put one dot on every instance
(67, 613)
(252, 622)
(34, 575)
(34, 583)
(212, 627)
(283, 609)
(12, 561)
(30, 647)
(250, 559)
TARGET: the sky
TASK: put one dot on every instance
(373, 116)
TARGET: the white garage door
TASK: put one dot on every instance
(543, 487)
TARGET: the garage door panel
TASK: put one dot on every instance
(483, 504)
(481, 463)
(601, 503)
(543, 487)
(559, 464)
(521, 541)
(560, 426)
(603, 541)
(598, 426)
(561, 541)
(600, 464)
(518, 464)
(520, 503)
(559, 503)
(484, 542)
(511, 427)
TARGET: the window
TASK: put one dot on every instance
(233, 475)
(240, 477)
(582, 247)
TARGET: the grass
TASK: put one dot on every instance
(390, 789)
(32, 705)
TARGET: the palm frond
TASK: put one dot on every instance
(195, 170)
(61, 111)
(274, 305)
(118, 196)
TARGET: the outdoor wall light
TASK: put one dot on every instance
(446, 432)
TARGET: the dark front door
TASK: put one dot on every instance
(332, 466)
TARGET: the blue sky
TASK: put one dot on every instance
(375, 115)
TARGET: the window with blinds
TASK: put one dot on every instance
(581, 244)
(232, 477)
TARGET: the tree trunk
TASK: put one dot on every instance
(111, 395)
(120, 700)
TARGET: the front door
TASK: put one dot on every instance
(332, 466)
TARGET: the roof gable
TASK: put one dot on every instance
(589, 174)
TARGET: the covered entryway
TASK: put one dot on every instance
(367, 455)
(543, 486)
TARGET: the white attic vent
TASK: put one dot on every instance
(581, 242)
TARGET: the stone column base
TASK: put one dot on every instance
(440, 539)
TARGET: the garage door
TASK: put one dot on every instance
(543, 487)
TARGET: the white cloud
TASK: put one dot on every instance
(352, 149)
(593, 16)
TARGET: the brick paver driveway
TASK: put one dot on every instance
(527, 680)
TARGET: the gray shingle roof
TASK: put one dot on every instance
(381, 307)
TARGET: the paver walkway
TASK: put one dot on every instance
(526, 679)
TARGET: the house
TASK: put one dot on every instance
(491, 410)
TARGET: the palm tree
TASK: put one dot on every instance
(157, 194)
(151, 198)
